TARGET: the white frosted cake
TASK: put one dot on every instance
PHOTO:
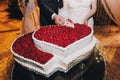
(53, 48)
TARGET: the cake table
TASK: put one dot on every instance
(93, 68)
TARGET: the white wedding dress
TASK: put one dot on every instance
(76, 10)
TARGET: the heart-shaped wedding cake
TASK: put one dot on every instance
(52, 48)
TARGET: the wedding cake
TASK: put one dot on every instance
(52, 48)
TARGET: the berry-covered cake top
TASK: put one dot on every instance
(62, 35)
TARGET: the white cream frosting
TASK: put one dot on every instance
(63, 51)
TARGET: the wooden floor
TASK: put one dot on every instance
(108, 36)
(109, 46)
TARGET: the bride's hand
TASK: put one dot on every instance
(85, 21)
(69, 23)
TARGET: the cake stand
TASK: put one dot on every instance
(92, 68)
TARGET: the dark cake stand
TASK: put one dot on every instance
(92, 68)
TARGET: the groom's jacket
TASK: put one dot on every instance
(47, 8)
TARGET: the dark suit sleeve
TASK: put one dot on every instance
(45, 8)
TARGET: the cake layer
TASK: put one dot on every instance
(24, 51)
(81, 35)
(52, 67)
(78, 55)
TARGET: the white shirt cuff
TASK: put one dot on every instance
(53, 15)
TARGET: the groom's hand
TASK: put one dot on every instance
(59, 20)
